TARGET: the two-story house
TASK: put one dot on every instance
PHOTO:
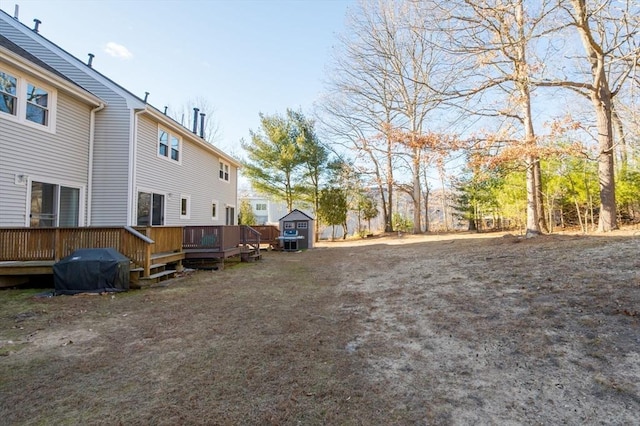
(77, 149)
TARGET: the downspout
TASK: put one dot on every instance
(132, 165)
(92, 139)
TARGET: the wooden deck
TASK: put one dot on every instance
(34, 251)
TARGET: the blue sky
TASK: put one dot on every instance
(243, 57)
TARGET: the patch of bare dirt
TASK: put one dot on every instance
(439, 329)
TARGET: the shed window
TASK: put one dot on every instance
(302, 225)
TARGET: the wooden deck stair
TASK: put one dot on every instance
(159, 272)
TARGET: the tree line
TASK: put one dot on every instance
(526, 111)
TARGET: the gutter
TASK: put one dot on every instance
(92, 138)
(133, 170)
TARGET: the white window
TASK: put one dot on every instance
(169, 145)
(8, 93)
(230, 215)
(289, 225)
(26, 101)
(261, 206)
(37, 105)
(150, 209)
(214, 210)
(54, 205)
(224, 171)
(185, 207)
(302, 225)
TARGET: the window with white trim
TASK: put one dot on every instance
(214, 210)
(185, 207)
(26, 101)
(8, 93)
(230, 215)
(224, 171)
(302, 225)
(169, 145)
(261, 206)
(289, 225)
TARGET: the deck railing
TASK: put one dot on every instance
(25, 244)
(211, 237)
(138, 244)
(167, 239)
(250, 237)
(268, 234)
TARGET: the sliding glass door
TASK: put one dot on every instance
(53, 205)
(150, 209)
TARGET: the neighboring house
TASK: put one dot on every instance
(264, 210)
(77, 149)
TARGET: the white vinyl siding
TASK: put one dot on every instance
(196, 175)
(60, 158)
(112, 132)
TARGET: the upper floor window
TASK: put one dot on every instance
(168, 145)
(26, 101)
(261, 206)
(224, 171)
(37, 105)
(8, 93)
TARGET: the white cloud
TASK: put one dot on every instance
(118, 51)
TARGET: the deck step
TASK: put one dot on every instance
(155, 278)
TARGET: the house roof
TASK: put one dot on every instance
(22, 59)
(11, 46)
(296, 212)
(137, 103)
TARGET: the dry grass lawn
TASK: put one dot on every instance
(450, 329)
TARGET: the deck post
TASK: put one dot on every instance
(57, 245)
(147, 260)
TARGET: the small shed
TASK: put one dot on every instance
(296, 231)
(96, 270)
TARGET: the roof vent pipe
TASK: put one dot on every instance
(202, 114)
(195, 120)
(37, 24)
(90, 62)
(16, 10)
(146, 96)
(165, 110)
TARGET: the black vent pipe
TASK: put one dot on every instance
(37, 24)
(202, 114)
(195, 120)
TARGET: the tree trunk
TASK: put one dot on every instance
(601, 98)
(537, 175)
(417, 204)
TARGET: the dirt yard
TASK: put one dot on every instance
(464, 329)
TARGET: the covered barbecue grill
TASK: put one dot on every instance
(95, 270)
(296, 231)
(290, 238)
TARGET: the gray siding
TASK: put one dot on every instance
(60, 157)
(111, 155)
(196, 177)
(111, 165)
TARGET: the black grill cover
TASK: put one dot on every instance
(92, 271)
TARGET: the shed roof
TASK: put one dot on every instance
(296, 214)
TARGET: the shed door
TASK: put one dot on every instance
(303, 230)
